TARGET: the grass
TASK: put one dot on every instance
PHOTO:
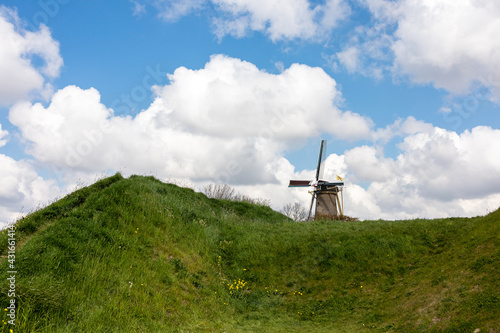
(138, 255)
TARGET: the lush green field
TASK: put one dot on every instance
(138, 255)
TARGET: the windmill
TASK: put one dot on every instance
(324, 193)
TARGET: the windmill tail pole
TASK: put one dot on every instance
(342, 194)
(341, 206)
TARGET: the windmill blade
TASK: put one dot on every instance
(300, 183)
(321, 161)
(312, 203)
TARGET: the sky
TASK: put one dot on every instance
(406, 93)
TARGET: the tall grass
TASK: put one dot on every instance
(138, 255)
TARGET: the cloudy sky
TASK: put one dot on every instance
(406, 93)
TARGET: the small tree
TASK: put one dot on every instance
(295, 211)
(224, 191)
(220, 191)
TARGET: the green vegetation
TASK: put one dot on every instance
(138, 255)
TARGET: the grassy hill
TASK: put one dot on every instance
(138, 255)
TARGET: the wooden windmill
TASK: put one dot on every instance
(324, 193)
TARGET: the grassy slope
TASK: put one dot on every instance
(137, 255)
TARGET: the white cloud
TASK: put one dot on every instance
(228, 121)
(365, 164)
(438, 173)
(232, 97)
(399, 128)
(368, 51)
(449, 43)
(138, 9)
(22, 189)
(349, 58)
(452, 44)
(279, 19)
(18, 47)
(3, 134)
(75, 120)
(173, 10)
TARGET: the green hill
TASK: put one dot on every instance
(138, 255)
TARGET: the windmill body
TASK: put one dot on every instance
(326, 195)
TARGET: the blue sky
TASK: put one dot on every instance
(407, 95)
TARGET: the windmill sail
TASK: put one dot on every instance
(319, 172)
(300, 183)
(322, 161)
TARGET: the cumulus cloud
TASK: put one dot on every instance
(19, 76)
(74, 120)
(172, 10)
(228, 121)
(450, 44)
(138, 9)
(3, 134)
(401, 128)
(22, 189)
(279, 19)
(298, 103)
(437, 173)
